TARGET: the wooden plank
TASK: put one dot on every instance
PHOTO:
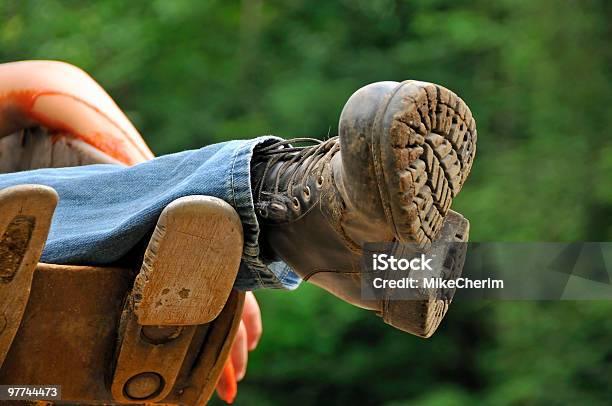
(187, 275)
(25, 218)
(36, 148)
(68, 333)
(190, 264)
(216, 350)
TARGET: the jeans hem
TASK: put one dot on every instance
(254, 273)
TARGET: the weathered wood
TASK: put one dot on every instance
(69, 331)
(25, 218)
(140, 359)
(35, 148)
(65, 309)
(186, 278)
(71, 320)
(216, 349)
(190, 264)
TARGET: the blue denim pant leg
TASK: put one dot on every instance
(105, 210)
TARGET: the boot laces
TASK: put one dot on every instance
(285, 152)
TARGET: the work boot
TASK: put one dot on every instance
(403, 152)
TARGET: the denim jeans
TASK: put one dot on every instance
(104, 211)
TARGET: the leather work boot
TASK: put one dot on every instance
(403, 152)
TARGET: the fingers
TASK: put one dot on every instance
(251, 316)
(240, 352)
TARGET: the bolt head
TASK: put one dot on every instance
(143, 386)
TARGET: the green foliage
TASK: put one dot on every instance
(537, 77)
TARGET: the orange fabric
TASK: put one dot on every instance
(227, 387)
(63, 98)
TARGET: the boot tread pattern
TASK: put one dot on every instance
(433, 137)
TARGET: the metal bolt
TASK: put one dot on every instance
(143, 386)
(161, 334)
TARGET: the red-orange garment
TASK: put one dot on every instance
(65, 99)
(227, 387)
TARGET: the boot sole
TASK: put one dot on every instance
(425, 137)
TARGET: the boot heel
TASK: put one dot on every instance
(422, 317)
(25, 218)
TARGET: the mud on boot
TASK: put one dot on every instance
(403, 153)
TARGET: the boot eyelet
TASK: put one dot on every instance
(306, 193)
(320, 181)
(263, 212)
(296, 203)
